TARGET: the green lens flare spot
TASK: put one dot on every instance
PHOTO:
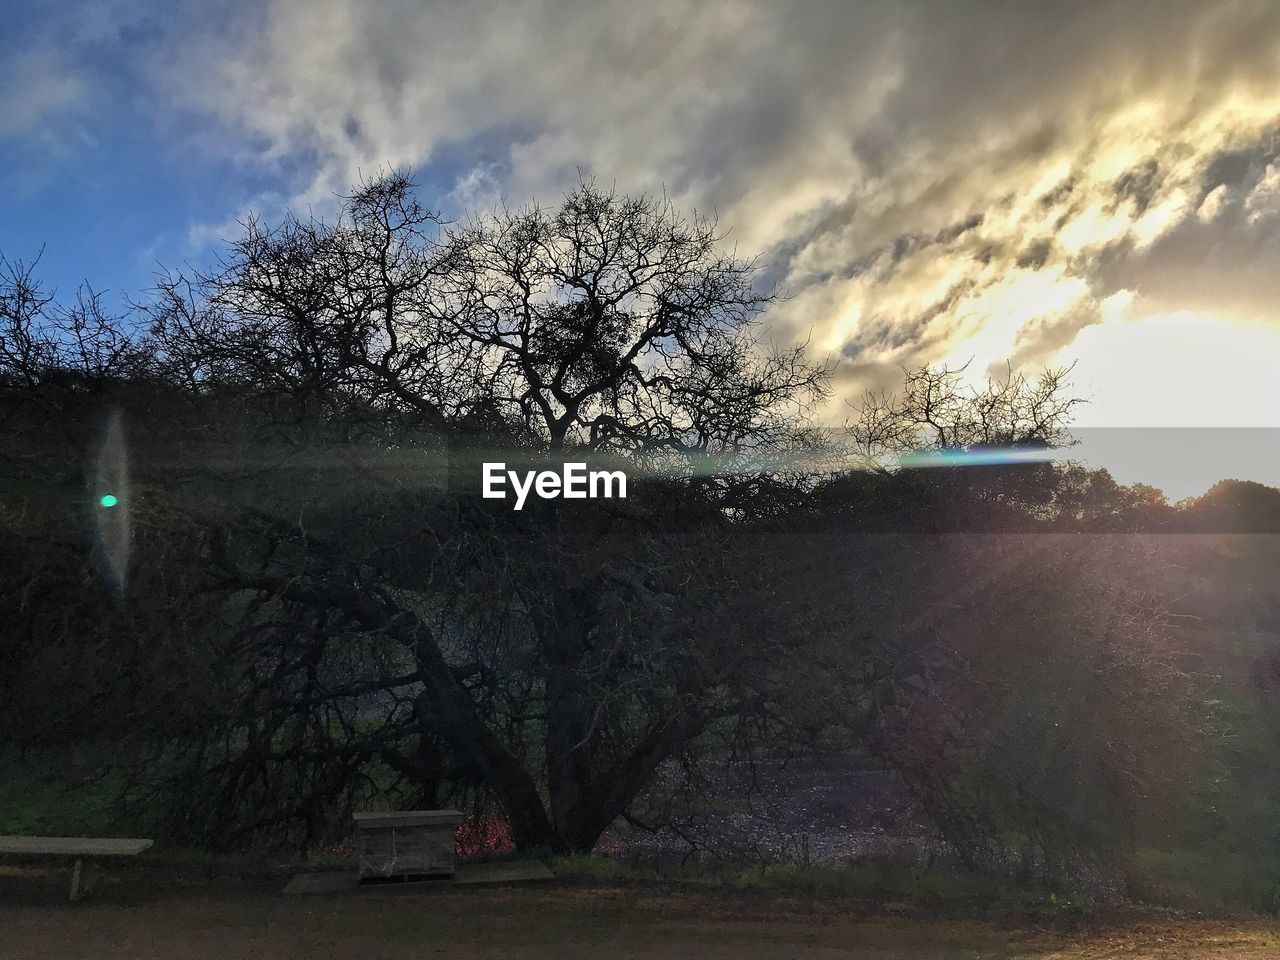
(107, 500)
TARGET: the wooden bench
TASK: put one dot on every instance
(406, 845)
(78, 847)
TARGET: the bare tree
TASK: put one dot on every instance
(26, 349)
(937, 410)
(615, 324)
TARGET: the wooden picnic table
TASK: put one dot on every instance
(78, 847)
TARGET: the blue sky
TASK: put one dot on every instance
(106, 167)
(92, 167)
(933, 181)
(87, 173)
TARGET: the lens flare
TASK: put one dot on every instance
(110, 489)
(981, 457)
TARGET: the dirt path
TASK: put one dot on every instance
(547, 922)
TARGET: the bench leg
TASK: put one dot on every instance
(75, 881)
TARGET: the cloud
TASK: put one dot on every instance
(35, 87)
(929, 179)
(1219, 260)
(1264, 199)
(68, 76)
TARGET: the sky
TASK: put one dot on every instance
(929, 181)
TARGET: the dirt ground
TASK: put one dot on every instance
(230, 921)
